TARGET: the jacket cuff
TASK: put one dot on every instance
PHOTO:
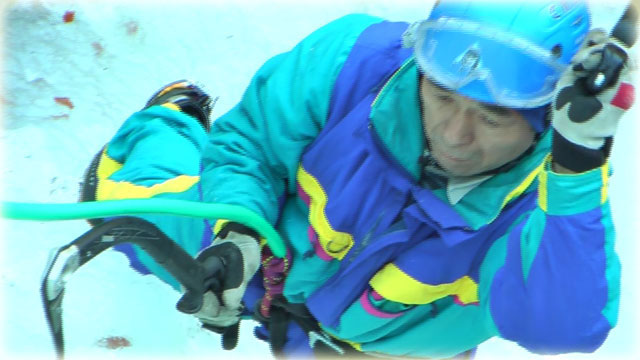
(570, 194)
(237, 228)
(578, 158)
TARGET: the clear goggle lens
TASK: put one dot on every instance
(485, 64)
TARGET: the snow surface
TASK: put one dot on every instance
(107, 62)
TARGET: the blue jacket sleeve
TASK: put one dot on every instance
(554, 284)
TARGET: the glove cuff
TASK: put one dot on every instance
(578, 158)
(237, 228)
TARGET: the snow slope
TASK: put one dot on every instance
(72, 71)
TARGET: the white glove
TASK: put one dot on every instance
(230, 263)
(593, 94)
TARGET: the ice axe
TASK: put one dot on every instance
(189, 272)
(65, 260)
(606, 73)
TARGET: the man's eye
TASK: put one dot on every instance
(490, 121)
(444, 98)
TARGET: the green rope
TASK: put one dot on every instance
(98, 209)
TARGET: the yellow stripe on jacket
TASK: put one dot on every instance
(394, 284)
(115, 190)
(335, 243)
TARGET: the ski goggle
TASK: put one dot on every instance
(485, 64)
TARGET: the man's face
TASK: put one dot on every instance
(467, 137)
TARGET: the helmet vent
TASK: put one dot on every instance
(556, 51)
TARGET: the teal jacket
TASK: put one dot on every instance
(546, 277)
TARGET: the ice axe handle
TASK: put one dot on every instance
(625, 29)
(614, 58)
(606, 74)
(212, 273)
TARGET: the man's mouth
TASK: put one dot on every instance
(451, 157)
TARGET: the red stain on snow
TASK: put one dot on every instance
(97, 48)
(114, 342)
(132, 27)
(60, 117)
(69, 16)
(65, 101)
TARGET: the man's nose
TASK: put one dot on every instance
(458, 129)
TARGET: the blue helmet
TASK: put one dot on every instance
(508, 54)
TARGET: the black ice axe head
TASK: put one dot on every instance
(64, 261)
